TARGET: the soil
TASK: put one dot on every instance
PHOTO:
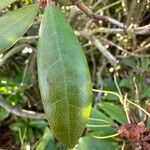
(7, 139)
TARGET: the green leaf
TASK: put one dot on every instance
(126, 83)
(30, 135)
(129, 62)
(47, 141)
(105, 131)
(115, 111)
(101, 124)
(38, 123)
(146, 91)
(14, 24)
(64, 78)
(16, 126)
(5, 3)
(109, 84)
(90, 143)
(100, 117)
(145, 63)
(3, 114)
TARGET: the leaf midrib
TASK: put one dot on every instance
(54, 26)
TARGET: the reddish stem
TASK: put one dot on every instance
(44, 3)
(146, 117)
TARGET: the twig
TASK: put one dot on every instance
(99, 83)
(143, 30)
(117, 86)
(132, 14)
(28, 38)
(146, 47)
(20, 112)
(138, 106)
(115, 45)
(96, 3)
(146, 117)
(95, 17)
(136, 11)
(123, 145)
(110, 92)
(126, 109)
(107, 30)
(104, 51)
(100, 47)
(115, 22)
(109, 6)
(125, 5)
(134, 55)
(106, 137)
(11, 53)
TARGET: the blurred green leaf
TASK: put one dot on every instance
(114, 111)
(26, 129)
(38, 123)
(3, 114)
(90, 143)
(14, 24)
(100, 123)
(100, 117)
(47, 141)
(129, 62)
(146, 91)
(126, 83)
(111, 97)
(30, 135)
(109, 84)
(16, 126)
(145, 63)
(5, 3)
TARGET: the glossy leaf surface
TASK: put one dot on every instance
(64, 78)
(14, 24)
(5, 3)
